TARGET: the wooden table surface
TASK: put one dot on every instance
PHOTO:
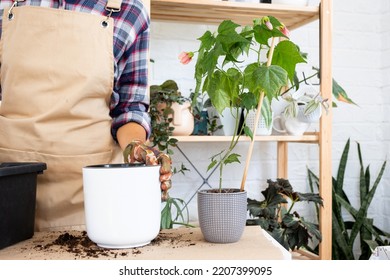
(172, 244)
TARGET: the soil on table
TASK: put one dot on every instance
(82, 247)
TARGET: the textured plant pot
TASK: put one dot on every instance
(222, 216)
(262, 128)
(122, 204)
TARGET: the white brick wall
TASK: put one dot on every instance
(361, 59)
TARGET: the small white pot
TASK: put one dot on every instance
(122, 204)
(227, 119)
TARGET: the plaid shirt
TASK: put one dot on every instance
(129, 100)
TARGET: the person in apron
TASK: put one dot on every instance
(74, 93)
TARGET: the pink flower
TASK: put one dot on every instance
(267, 23)
(185, 57)
(284, 30)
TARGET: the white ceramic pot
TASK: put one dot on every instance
(183, 120)
(311, 117)
(227, 119)
(290, 126)
(122, 204)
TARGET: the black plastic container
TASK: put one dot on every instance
(18, 185)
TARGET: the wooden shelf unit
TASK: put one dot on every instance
(213, 12)
(306, 138)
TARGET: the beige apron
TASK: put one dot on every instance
(57, 73)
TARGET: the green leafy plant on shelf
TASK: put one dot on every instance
(161, 99)
(345, 231)
(240, 66)
(284, 224)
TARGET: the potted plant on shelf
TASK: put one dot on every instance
(164, 100)
(305, 104)
(238, 67)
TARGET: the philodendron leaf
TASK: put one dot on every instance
(287, 49)
(268, 79)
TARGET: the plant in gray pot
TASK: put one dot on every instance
(238, 66)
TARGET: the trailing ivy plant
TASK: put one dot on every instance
(284, 224)
(345, 231)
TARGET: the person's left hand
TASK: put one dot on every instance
(137, 151)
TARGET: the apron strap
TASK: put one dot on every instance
(114, 5)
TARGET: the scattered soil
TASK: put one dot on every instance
(82, 247)
(79, 245)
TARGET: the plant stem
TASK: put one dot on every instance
(258, 113)
(232, 145)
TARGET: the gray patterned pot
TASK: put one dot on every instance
(222, 216)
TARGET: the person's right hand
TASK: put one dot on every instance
(137, 151)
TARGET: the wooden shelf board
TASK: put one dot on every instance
(214, 12)
(306, 138)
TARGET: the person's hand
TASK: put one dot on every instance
(137, 151)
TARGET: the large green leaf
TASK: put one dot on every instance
(219, 97)
(269, 80)
(287, 56)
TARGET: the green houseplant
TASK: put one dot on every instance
(346, 230)
(283, 223)
(238, 67)
(161, 99)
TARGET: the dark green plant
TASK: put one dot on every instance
(346, 231)
(289, 228)
(161, 99)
